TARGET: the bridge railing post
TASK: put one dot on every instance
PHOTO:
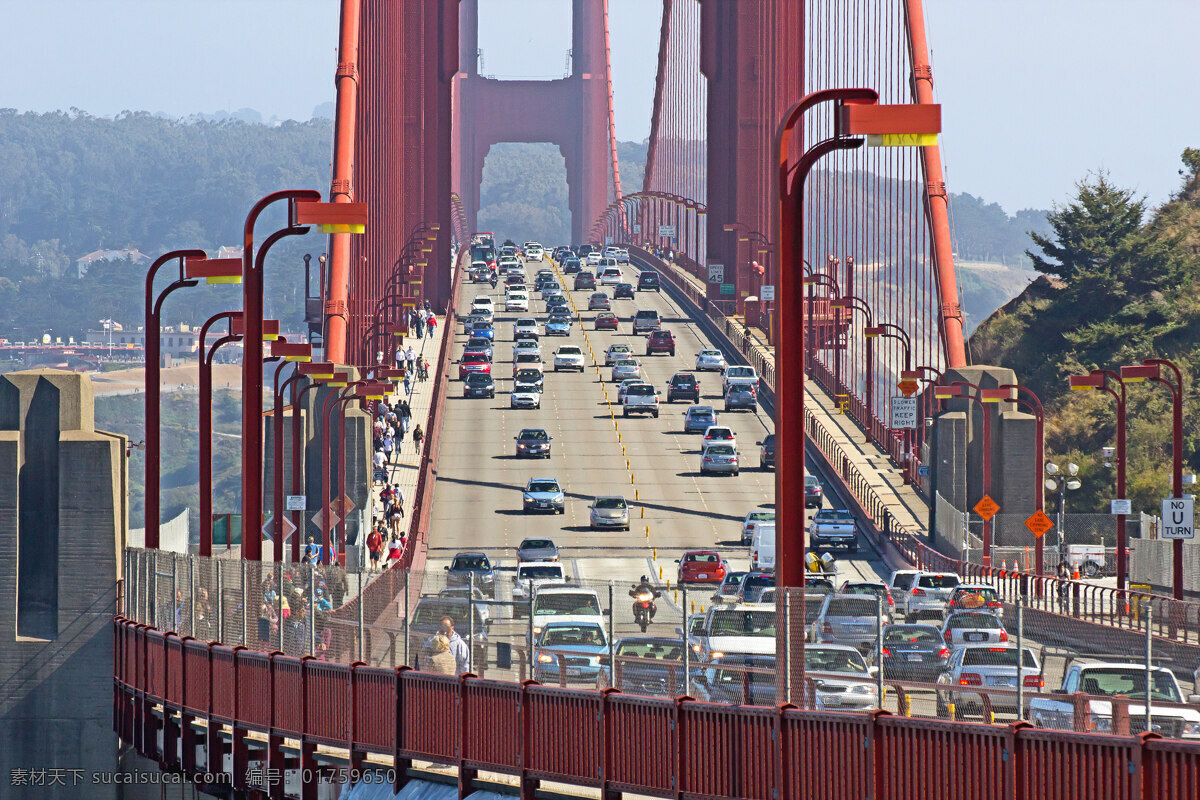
(191, 562)
(176, 611)
(220, 602)
(245, 604)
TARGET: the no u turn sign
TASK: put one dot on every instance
(1178, 519)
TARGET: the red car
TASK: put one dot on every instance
(606, 320)
(474, 362)
(701, 566)
(660, 342)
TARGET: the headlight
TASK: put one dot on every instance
(862, 689)
(545, 658)
(537, 629)
(1190, 729)
(715, 654)
(1099, 723)
(520, 447)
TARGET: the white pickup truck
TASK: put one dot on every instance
(1057, 709)
(832, 527)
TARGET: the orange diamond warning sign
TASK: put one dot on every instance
(986, 507)
(908, 388)
(1039, 524)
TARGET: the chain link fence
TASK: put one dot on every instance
(925, 646)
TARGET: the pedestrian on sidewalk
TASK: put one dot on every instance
(422, 369)
(311, 552)
(379, 461)
(375, 547)
(408, 382)
(441, 660)
(405, 414)
(430, 324)
(418, 435)
(389, 444)
(395, 515)
(385, 494)
(395, 550)
(410, 356)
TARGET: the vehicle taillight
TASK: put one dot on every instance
(826, 628)
(1004, 636)
(886, 653)
(943, 653)
(918, 592)
(1034, 682)
(994, 605)
(891, 602)
(948, 636)
(970, 679)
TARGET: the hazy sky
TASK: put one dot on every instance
(1035, 92)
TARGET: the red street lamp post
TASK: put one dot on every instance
(290, 353)
(318, 376)
(812, 280)
(1029, 397)
(853, 303)
(889, 330)
(958, 389)
(1151, 369)
(331, 400)
(1098, 379)
(929, 376)
(205, 456)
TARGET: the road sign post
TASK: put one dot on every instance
(766, 293)
(716, 273)
(1178, 517)
(904, 413)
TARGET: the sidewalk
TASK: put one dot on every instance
(883, 477)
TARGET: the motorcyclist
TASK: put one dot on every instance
(494, 279)
(639, 592)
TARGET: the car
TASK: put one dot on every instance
(427, 616)
(736, 629)
(626, 368)
(755, 585)
(516, 301)
(899, 582)
(622, 255)
(683, 386)
(701, 566)
(710, 360)
(475, 569)
(1101, 683)
(927, 595)
(594, 258)
(571, 265)
(585, 279)
(526, 325)
(481, 316)
(913, 653)
(766, 452)
(565, 604)
(483, 301)
(568, 356)
(737, 374)
(583, 250)
(660, 342)
(876, 589)
(762, 546)
(833, 527)
(719, 458)
(842, 679)
(477, 344)
(543, 494)
(527, 346)
(537, 549)
(558, 325)
(525, 358)
(730, 588)
(847, 619)
(606, 321)
(813, 495)
(623, 291)
(569, 651)
(987, 667)
(610, 275)
(736, 680)
(645, 320)
(533, 443)
(718, 434)
(973, 627)
(513, 280)
(557, 306)
(474, 362)
(545, 273)
(751, 522)
(609, 511)
(740, 397)
(482, 330)
(975, 597)
(480, 271)
(524, 395)
(549, 289)
(532, 576)
(640, 398)
(649, 281)
(529, 376)
(615, 353)
(698, 419)
(533, 252)
(507, 263)
(598, 301)
(641, 674)
(624, 387)
(479, 384)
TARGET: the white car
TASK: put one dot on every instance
(738, 375)
(533, 252)
(751, 522)
(525, 395)
(611, 276)
(516, 301)
(508, 264)
(738, 629)
(525, 325)
(842, 678)
(527, 346)
(718, 434)
(710, 360)
(568, 356)
(626, 368)
(565, 604)
(616, 353)
(593, 258)
(483, 301)
(532, 576)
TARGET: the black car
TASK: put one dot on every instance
(533, 443)
(464, 565)
(529, 377)
(683, 386)
(766, 455)
(571, 265)
(623, 291)
(585, 280)
(479, 384)
(583, 250)
(913, 652)
(741, 396)
(648, 281)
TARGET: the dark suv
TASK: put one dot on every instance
(585, 280)
(660, 342)
(683, 386)
(465, 565)
(623, 291)
(648, 281)
(766, 455)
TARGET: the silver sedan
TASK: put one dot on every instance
(710, 360)
(626, 368)
(610, 511)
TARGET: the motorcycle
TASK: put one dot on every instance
(644, 609)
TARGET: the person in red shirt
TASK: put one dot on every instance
(375, 547)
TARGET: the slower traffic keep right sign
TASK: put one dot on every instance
(1178, 518)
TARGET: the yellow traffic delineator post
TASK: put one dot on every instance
(631, 480)
(643, 512)
(660, 572)
(693, 606)
(622, 447)
(635, 495)
(654, 554)
(619, 439)
(675, 597)
(626, 461)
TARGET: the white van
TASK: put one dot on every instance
(762, 546)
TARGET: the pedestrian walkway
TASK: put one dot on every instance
(883, 477)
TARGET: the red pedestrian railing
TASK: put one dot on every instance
(615, 742)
